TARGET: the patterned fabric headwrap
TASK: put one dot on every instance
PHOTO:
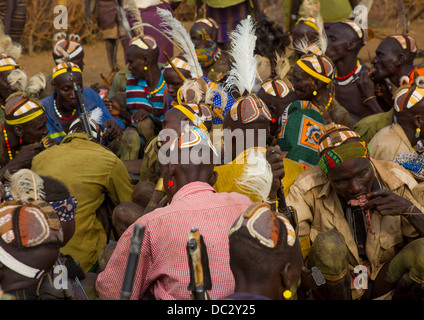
(69, 44)
(265, 225)
(65, 67)
(321, 67)
(336, 138)
(27, 226)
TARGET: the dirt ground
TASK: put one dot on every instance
(96, 60)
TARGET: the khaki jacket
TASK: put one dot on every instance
(320, 210)
(389, 142)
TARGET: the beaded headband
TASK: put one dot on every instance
(263, 225)
(65, 67)
(343, 153)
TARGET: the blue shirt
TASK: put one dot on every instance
(91, 101)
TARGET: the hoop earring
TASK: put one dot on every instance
(417, 133)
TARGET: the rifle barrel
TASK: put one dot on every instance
(134, 254)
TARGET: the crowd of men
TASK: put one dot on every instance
(305, 183)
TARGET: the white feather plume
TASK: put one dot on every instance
(96, 115)
(282, 65)
(210, 94)
(256, 178)
(18, 80)
(243, 72)
(25, 185)
(59, 36)
(178, 32)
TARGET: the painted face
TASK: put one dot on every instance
(64, 89)
(136, 62)
(352, 178)
(303, 84)
(173, 81)
(34, 130)
(384, 63)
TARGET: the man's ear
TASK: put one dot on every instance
(286, 275)
(401, 59)
(418, 120)
(18, 130)
(214, 178)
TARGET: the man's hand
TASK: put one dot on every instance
(113, 129)
(365, 84)
(140, 115)
(387, 203)
(275, 158)
(24, 158)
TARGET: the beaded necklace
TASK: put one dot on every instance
(59, 114)
(8, 147)
(154, 91)
(328, 103)
(349, 74)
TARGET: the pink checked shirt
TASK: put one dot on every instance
(163, 262)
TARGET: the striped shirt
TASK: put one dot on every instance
(138, 98)
(163, 263)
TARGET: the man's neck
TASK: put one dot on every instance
(404, 70)
(346, 65)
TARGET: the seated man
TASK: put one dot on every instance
(9, 55)
(368, 202)
(66, 47)
(404, 134)
(193, 203)
(61, 106)
(351, 78)
(393, 64)
(25, 124)
(92, 174)
(31, 236)
(268, 237)
(214, 61)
